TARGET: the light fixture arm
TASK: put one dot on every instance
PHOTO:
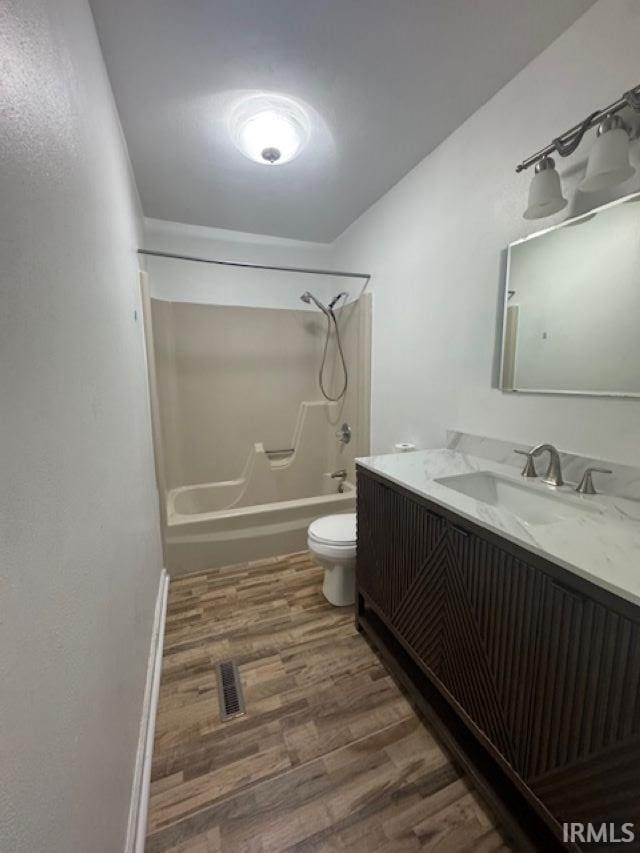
(569, 145)
(632, 97)
(568, 141)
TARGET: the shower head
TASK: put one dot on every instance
(308, 297)
(337, 298)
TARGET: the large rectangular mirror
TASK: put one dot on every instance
(572, 306)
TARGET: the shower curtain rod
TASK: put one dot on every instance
(310, 271)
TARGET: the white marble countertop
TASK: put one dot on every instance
(603, 546)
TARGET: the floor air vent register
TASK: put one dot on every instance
(230, 696)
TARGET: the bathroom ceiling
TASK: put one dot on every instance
(389, 79)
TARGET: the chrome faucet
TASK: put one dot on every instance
(553, 475)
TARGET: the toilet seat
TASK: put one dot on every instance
(336, 531)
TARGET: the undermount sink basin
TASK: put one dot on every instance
(533, 504)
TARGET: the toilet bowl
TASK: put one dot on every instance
(332, 541)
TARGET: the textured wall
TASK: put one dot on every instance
(435, 246)
(79, 540)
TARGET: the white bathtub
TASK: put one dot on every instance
(267, 509)
(200, 535)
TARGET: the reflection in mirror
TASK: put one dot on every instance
(572, 306)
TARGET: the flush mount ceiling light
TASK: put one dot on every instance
(269, 129)
(608, 163)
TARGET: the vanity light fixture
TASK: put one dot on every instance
(545, 192)
(608, 162)
(269, 129)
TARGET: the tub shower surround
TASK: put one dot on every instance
(245, 449)
(230, 376)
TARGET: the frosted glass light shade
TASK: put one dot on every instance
(545, 192)
(608, 162)
(269, 129)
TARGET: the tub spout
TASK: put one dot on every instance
(340, 474)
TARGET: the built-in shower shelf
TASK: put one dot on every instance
(280, 454)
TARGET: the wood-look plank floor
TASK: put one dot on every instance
(330, 755)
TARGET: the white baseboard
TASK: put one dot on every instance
(137, 824)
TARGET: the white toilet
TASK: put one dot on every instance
(332, 541)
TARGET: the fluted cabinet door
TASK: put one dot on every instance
(584, 759)
(396, 536)
(494, 609)
(467, 611)
(422, 615)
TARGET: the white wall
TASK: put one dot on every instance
(79, 535)
(435, 245)
(225, 245)
(191, 281)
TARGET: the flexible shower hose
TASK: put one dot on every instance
(332, 317)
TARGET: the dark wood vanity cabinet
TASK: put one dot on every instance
(584, 753)
(542, 667)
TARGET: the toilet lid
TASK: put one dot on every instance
(334, 529)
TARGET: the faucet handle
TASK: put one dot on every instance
(529, 469)
(585, 486)
(344, 433)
